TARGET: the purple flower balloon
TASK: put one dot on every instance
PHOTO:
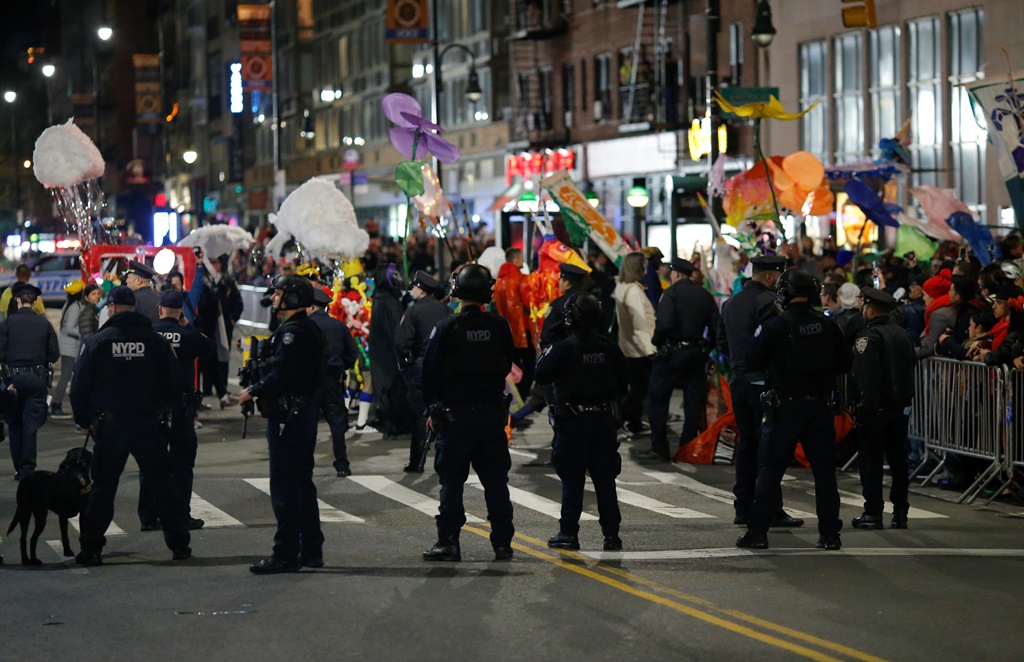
(412, 130)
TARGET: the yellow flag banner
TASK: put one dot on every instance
(577, 210)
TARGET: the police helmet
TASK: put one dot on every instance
(296, 292)
(473, 282)
(583, 312)
(796, 283)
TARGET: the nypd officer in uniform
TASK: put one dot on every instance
(189, 346)
(686, 312)
(570, 281)
(883, 367)
(468, 357)
(589, 374)
(803, 353)
(340, 354)
(127, 356)
(139, 279)
(287, 397)
(28, 344)
(412, 338)
(741, 315)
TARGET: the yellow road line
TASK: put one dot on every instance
(556, 559)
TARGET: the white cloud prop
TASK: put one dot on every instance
(322, 220)
(218, 239)
(64, 156)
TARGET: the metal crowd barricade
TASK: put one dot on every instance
(1014, 427)
(847, 395)
(961, 409)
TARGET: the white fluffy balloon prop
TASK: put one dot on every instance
(218, 239)
(68, 163)
(322, 221)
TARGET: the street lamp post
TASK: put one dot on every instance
(9, 97)
(713, 19)
(637, 198)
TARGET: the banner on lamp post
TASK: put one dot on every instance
(576, 208)
(407, 22)
(148, 106)
(255, 48)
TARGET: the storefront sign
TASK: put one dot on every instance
(538, 163)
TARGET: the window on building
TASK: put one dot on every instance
(569, 93)
(968, 136)
(602, 86)
(924, 87)
(736, 42)
(546, 93)
(583, 87)
(814, 125)
(849, 97)
(886, 111)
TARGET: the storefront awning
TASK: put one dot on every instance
(508, 195)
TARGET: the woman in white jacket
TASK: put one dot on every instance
(69, 341)
(636, 328)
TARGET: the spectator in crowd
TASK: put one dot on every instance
(636, 328)
(510, 290)
(911, 313)
(1008, 329)
(8, 304)
(990, 278)
(939, 314)
(963, 297)
(849, 317)
(68, 339)
(219, 308)
(89, 316)
(979, 336)
(830, 299)
(654, 280)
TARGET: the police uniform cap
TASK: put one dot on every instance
(172, 299)
(25, 288)
(139, 269)
(425, 282)
(567, 269)
(121, 296)
(876, 297)
(769, 263)
(1008, 291)
(320, 297)
(682, 266)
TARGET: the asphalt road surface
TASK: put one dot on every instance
(947, 588)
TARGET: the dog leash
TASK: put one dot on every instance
(88, 436)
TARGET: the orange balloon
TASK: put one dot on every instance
(805, 168)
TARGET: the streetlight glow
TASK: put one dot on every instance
(27, 164)
(190, 156)
(637, 197)
(49, 70)
(10, 96)
(104, 33)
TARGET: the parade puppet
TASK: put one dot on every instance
(68, 164)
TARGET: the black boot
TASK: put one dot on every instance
(612, 543)
(444, 550)
(832, 542)
(274, 566)
(564, 541)
(899, 520)
(753, 540)
(866, 521)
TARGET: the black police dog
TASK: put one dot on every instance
(65, 493)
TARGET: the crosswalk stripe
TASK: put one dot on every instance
(112, 530)
(710, 492)
(212, 516)
(402, 494)
(857, 500)
(532, 501)
(57, 547)
(647, 503)
(328, 513)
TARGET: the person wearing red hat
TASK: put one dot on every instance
(939, 313)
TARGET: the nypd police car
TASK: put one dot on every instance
(50, 273)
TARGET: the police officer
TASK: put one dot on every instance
(127, 356)
(883, 367)
(803, 353)
(139, 279)
(28, 344)
(590, 377)
(189, 346)
(741, 315)
(571, 281)
(686, 313)
(287, 397)
(340, 354)
(412, 338)
(464, 369)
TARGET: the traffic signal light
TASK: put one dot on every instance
(861, 14)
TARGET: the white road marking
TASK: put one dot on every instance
(402, 494)
(513, 451)
(532, 501)
(714, 493)
(212, 516)
(57, 547)
(112, 530)
(733, 552)
(328, 513)
(647, 503)
(857, 500)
